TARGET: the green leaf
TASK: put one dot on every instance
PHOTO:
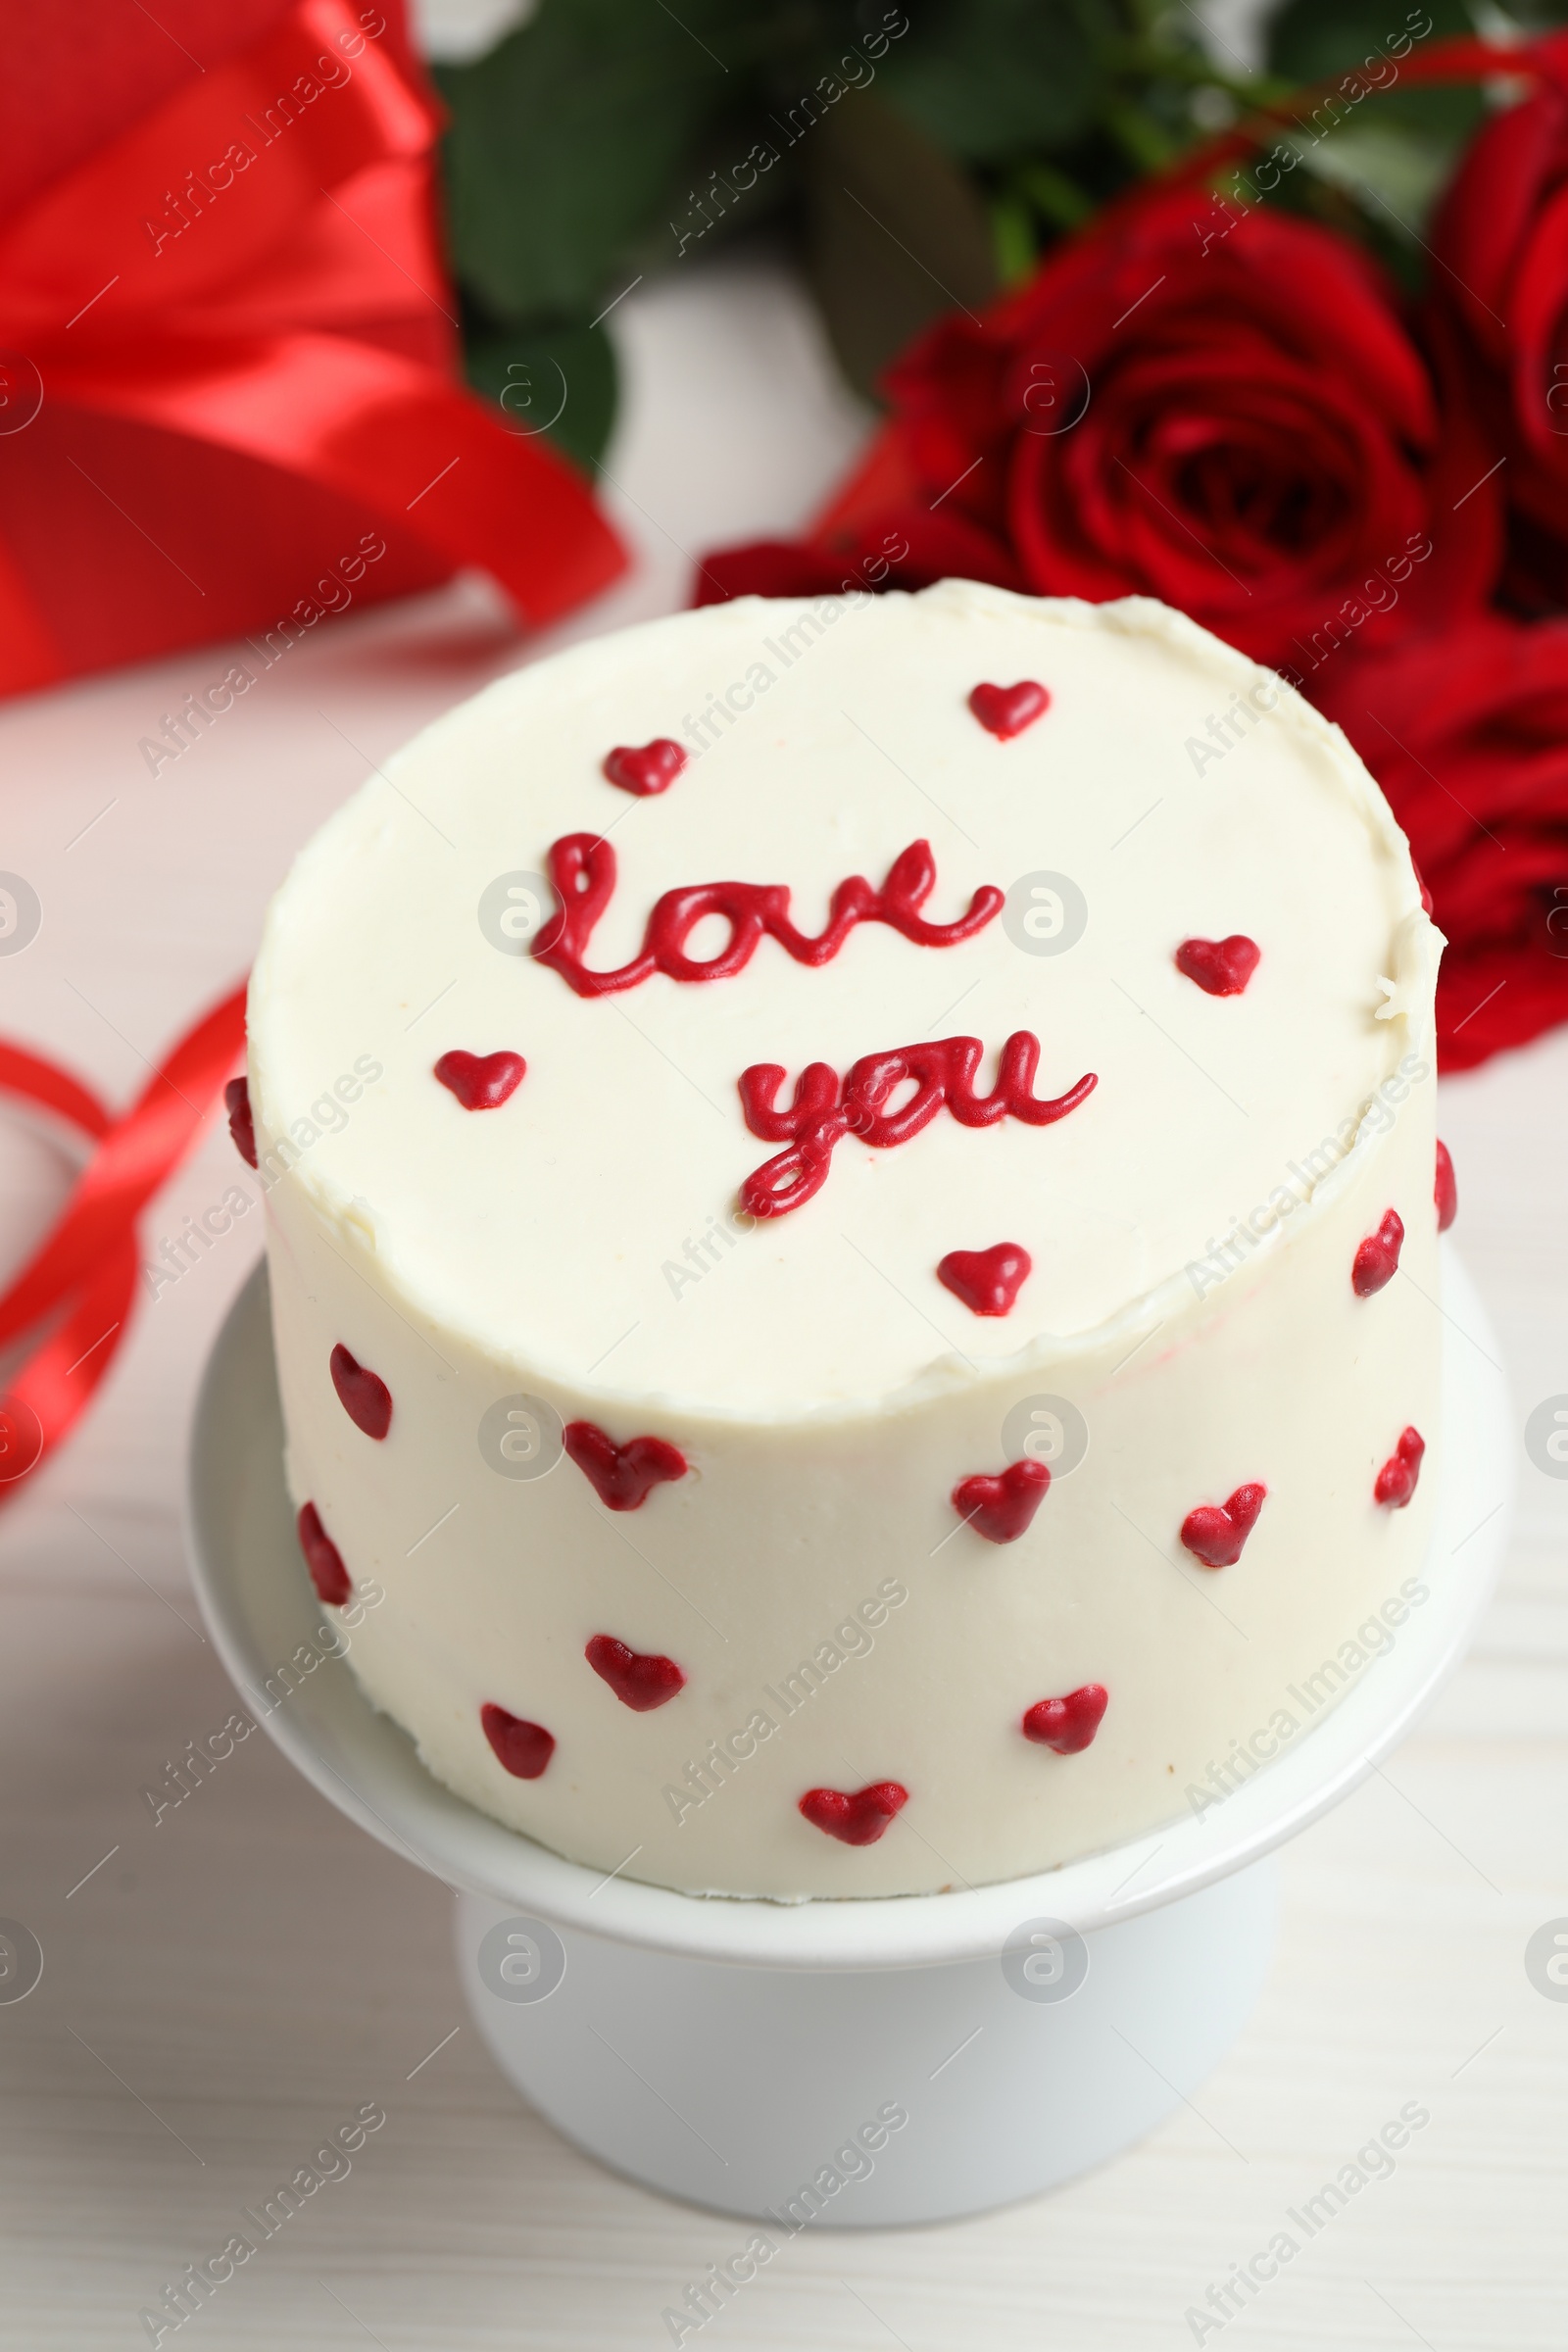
(1012, 233)
(1142, 137)
(1312, 39)
(986, 78)
(898, 233)
(1386, 165)
(1056, 198)
(568, 138)
(1390, 149)
(555, 377)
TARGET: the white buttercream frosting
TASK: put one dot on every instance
(1191, 1227)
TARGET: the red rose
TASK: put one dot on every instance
(1500, 302)
(897, 547)
(1468, 736)
(1217, 409)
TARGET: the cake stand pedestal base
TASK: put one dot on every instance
(756, 2090)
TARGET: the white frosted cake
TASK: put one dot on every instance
(853, 1234)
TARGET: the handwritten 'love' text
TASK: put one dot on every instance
(583, 870)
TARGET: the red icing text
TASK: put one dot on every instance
(822, 1113)
(582, 869)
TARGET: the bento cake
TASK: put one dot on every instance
(878, 1315)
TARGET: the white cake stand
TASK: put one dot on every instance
(753, 2056)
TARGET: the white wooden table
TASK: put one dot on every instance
(225, 1989)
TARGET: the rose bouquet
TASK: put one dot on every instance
(1343, 452)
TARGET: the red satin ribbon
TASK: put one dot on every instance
(268, 324)
(87, 1265)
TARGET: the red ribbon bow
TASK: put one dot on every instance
(86, 1266)
(247, 268)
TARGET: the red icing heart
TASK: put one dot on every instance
(1007, 711)
(1217, 1533)
(622, 1473)
(638, 1682)
(1222, 968)
(1377, 1260)
(988, 1281)
(1396, 1480)
(482, 1081)
(322, 1558)
(1000, 1508)
(242, 1126)
(366, 1400)
(857, 1820)
(1067, 1724)
(522, 1748)
(647, 768)
(1446, 1192)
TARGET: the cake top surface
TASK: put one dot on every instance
(1028, 870)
